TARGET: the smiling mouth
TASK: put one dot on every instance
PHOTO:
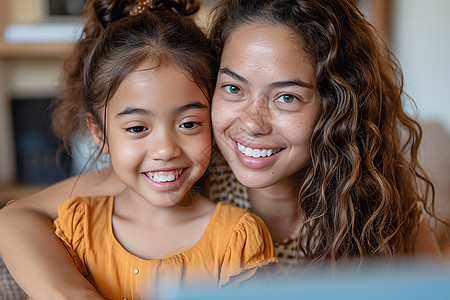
(250, 152)
(164, 176)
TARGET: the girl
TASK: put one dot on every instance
(147, 81)
(308, 114)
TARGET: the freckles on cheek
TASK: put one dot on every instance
(216, 121)
(217, 126)
(215, 117)
(223, 114)
(300, 132)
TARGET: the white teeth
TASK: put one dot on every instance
(257, 152)
(164, 178)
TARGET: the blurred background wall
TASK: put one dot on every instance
(420, 38)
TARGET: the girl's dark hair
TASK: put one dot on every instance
(114, 43)
(361, 192)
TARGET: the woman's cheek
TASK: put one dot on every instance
(217, 114)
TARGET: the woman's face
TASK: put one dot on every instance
(265, 104)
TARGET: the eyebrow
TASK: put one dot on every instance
(130, 110)
(134, 111)
(233, 75)
(193, 105)
(287, 83)
(284, 83)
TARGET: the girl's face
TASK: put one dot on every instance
(159, 133)
(265, 105)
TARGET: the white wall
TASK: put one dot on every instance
(421, 42)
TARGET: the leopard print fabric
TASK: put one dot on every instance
(223, 186)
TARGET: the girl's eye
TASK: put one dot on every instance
(232, 89)
(136, 129)
(190, 125)
(286, 98)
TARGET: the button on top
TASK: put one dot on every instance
(136, 271)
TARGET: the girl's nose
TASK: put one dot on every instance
(164, 146)
(256, 118)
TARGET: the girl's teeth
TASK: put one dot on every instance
(163, 178)
(257, 152)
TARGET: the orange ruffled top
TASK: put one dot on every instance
(235, 242)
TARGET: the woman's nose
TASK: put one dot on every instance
(164, 146)
(256, 118)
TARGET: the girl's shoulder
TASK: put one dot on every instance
(240, 226)
(229, 215)
(78, 215)
(81, 205)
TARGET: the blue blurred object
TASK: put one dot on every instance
(409, 280)
(39, 158)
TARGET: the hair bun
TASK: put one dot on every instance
(183, 7)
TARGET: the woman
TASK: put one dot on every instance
(308, 114)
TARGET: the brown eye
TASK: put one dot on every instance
(287, 98)
(136, 129)
(232, 89)
(190, 125)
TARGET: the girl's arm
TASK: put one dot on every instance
(34, 255)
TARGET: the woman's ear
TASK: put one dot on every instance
(97, 133)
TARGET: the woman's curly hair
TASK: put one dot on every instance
(361, 195)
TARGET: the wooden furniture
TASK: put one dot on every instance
(41, 59)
